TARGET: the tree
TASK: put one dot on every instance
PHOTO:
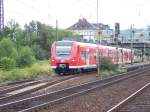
(8, 49)
(8, 54)
(35, 35)
(26, 56)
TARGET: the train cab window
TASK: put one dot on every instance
(63, 49)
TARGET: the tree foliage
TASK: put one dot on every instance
(8, 49)
(23, 45)
(41, 36)
(106, 64)
(7, 63)
(12, 55)
(25, 57)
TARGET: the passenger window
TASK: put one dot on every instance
(83, 55)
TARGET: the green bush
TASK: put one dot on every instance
(13, 75)
(39, 69)
(40, 53)
(7, 63)
(26, 57)
(8, 49)
(107, 73)
(106, 64)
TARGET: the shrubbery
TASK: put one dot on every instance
(39, 69)
(7, 63)
(106, 64)
(8, 49)
(12, 55)
(108, 68)
(25, 57)
(40, 53)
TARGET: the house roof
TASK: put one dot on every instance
(82, 24)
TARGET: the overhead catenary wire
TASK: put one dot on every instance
(31, 8)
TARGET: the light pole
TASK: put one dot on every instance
(56, 30)
(132, 36)
(98, 52)
(144, 48)
(122, 49)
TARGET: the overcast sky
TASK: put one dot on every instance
(68, 12)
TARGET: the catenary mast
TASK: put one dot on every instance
(1, 14)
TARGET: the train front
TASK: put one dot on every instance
(62, 56)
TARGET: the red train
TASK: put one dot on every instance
(72, 56)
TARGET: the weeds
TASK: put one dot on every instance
(109, 69)
(38, 69)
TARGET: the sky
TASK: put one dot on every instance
(68, 12)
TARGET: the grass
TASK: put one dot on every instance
(108, 73)
(109, 69)
(38, 69)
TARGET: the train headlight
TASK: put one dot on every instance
(73, 60)
(62, 61)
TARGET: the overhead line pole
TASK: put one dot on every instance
(144, 50)
(1, 14)
(56, 30)
(98, 52)
(131, 28)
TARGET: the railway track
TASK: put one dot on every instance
(7, 95)
(4, 86)
(139, 101)
(11, 88)
(14, 83)
(44, 101)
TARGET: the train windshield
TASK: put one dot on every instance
(63, 49)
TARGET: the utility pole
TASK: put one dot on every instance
(122, 49)
(132, 36)
(56, 30)
(117, 32)
(144, 48)
(98, 51)
(1, 14)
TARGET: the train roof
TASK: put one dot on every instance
(93, 45)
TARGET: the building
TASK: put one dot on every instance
(90, 31)
(138, 36)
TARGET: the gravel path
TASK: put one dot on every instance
(141, 103)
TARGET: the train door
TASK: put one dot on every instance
(96, 56)
(88, 56)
